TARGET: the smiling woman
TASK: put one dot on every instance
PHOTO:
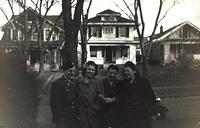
(89, 90)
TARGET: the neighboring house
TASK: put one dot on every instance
(169, 45)
(111, 39)
(14, 35)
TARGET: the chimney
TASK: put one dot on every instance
(161, 29)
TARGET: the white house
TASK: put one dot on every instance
(111, 39)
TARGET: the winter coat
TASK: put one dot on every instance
(63, 100)
(89, 102)
(135, 101)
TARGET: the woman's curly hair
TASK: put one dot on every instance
(85, 66)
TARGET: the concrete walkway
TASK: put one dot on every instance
(44, 116)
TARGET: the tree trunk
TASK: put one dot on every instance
(71, 29)
(41, 67)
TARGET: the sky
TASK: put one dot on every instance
(183, 10)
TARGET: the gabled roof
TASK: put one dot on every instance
(32, 14)
(161, 36)
(108, 11)
(120, 19)
(53, 18)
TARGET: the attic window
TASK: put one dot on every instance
(29, 24)
(108, 18)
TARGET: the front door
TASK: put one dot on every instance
(108, 54)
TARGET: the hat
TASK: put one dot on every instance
(67, 66)
(130, 64)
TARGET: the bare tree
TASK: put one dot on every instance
(37, 25)
(83, 32)
(138, 17)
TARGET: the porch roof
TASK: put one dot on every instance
(13, 44)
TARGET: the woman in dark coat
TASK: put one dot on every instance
(135, 98)
(108, 109)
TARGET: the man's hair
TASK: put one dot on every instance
(112, 66)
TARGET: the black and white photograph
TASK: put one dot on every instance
(99, 63)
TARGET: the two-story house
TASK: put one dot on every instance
(14, 36)
(111, 39)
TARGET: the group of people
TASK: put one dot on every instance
(93, 102)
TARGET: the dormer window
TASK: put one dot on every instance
(108, 18)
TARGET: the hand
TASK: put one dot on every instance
(109, 100)
(101, 96)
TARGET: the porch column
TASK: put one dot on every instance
(132, 53)
(167, 58)
(88, 52)
(28, 61)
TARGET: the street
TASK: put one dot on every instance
(183, 113)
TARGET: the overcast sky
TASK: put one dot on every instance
(182, 11)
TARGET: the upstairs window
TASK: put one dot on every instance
(20, 35)
(47, 32)
(122, 31)
(108, 18)
(107, 30)
(29, 24)
(15, 35)
(35, 36)
(95, 32)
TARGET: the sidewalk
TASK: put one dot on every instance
(44, 115)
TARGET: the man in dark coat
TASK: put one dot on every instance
(63, 99)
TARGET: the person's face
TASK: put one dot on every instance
(70, 73)
(112, 74)
(129, 73)
(90, 72)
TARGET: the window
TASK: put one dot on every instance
(109, 18)
(29, 24)
(15, 34)
(54, 36)
(96, 32)
(108, 30)
(47, 33)
(20, 35)
(124, 51)
(123, 31)
(35, 36)
(8, 33)
(93, 51)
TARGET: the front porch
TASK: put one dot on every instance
(113, 54)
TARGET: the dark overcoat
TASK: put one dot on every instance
(63, 102)
(135, 101)
(108, 111)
